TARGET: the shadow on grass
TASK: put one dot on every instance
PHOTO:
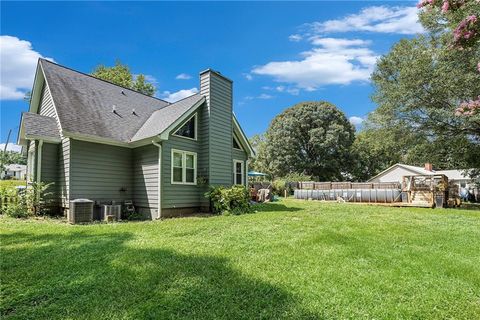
(275, 207)
(98, 275)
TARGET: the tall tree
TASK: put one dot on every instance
(430, 85)
(312, 138)
(120, 74)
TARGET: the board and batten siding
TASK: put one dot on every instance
(50, 169)
(100, 172)
(145, 180)
(179, 195)
(218, 93)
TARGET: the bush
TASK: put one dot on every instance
(284, 183)
(234, 200)
(32, 201)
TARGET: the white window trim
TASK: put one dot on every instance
(196, 128)
(235, 138)
(235, 172)
(184, 167)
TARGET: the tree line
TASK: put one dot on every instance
(427, 92)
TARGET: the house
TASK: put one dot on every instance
(14, 171)
(397, 171)
(103, 142)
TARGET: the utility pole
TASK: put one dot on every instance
(4, 155)
(8, 138)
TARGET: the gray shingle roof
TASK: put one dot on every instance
(37, 125)
(163, 118)
(84, 104)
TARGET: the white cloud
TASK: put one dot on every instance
(295, 37)
(178, 95)
(356, 121)
(382, 19)
(265, 96)
(183, 76)
(17, 68)
(330, 61)
(248, 76)
(11, 147)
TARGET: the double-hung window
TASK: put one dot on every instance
(184, 167)
(238, 172)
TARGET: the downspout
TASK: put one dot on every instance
(159, 210)
(246, 173)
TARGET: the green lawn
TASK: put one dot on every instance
(291, 260)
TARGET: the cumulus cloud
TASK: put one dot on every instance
(11, 147)
(178, 95)
(382, 19)
(330, 61)
(248, 76)
(295, 37)
(183, 76)
(17, 70)
(356, 121)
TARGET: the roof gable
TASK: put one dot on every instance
(90, 106)
(163, 120)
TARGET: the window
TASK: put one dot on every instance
(238, 174)
(189, 129)
(184, 167)
(236, 145)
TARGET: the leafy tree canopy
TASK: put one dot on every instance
(312, 138)
(121, 75)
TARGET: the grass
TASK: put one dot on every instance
(11, 183)
(291, 260)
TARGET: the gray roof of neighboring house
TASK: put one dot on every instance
(165, 117)
(42, 126)
(451, 174)
(85, 104)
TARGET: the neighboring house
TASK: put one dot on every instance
(397, 171)
(14, 171)
(103, 142)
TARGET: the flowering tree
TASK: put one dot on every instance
(463, 18)
(430, 84)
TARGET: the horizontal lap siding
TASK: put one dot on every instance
(99, 171)
(178, 195)
(145, 179)
(46, 105)
(220, 131)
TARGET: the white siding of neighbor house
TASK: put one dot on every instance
(393, 175)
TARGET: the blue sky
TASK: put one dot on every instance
(277, 53)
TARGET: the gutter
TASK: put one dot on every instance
(159, 210)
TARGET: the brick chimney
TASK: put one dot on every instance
(428, 166)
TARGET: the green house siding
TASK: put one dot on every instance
(50, 170)
(179, 195)
(218, 93)
(145, 180)
(100, 172)
(46, 103)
